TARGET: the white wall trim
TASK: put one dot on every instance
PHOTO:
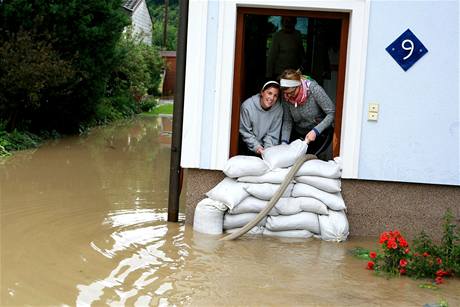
(194, 84)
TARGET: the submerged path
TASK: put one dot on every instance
(83, 221)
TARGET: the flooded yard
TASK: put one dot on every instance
(83, 222)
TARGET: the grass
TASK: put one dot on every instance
(162, 109)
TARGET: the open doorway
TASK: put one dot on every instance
(323, 39)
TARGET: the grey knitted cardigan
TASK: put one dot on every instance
(260, 127)
(318, 112)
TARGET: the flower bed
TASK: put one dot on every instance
(424, 259)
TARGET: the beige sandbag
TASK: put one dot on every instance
(294, 205)
(238, 166)
(334, 226)
(330, 185)
(209, 217)
(300, 221)
(265, 191)
(239, 220)
(251, 204)
(282, 156)
(275, 176)
(329, 169)
(228, 191)
(333, 200)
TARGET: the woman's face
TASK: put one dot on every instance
(291, 92)
(268, 97)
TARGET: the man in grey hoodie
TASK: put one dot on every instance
(260, 119)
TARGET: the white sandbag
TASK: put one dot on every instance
(252, 204)
(300, 221)
(265, 191)
(334, 227)
(209, 217)
(238, 166)
(288, 233)
(229, 192)
(325, 184)
(293, 205)
(240, 220)
(333, 200)
(275, 176)
(284, 155)
(256, 230)
(329, 169)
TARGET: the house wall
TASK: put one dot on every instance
(415, 140)
(209, 78)
(416, 137)
(142, 24)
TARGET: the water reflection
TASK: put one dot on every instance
(83, 222)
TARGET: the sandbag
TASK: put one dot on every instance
(283, 155)
(300, 221)
(294, 205)
(334, 226)
(256, 230)
(275, 176)
(265, 191)
(228, 191)
(325, 184)
(209, 217)
(239, 220)
(333, 200)
(329, 169)
(288, 233)
(251, 204)
(238, 166)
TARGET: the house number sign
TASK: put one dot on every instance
(406, 50)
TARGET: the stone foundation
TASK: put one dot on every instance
(373, 206)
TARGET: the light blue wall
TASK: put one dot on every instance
(416, 138)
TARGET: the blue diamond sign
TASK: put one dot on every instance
(406, 50)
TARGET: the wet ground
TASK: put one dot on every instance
(83, 222)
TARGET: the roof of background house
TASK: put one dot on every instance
(131, 5)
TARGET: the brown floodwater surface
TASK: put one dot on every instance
(83, 222)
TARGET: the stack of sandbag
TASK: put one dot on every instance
(311, 205)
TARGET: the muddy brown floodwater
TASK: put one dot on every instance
(83, 222)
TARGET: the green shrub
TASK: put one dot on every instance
(148, 103)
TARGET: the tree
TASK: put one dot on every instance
(81, 34)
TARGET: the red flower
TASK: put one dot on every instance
(403, 263)
(425, 254)
(439, 261)
(402, 242)
(370, 265)
(392, 243)
(402, 271)
(372, 255)
(438, 280)
(441, 273)
(406, 251)
(383, 237)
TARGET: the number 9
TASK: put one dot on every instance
(410, 47)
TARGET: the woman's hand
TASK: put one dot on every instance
(260, 150)
(311, 136)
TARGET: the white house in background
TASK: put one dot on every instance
(396, 129)
(140, 19)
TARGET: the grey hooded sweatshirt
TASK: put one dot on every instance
(260, 127)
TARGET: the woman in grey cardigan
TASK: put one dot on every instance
(260, 119)
(308, 110)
